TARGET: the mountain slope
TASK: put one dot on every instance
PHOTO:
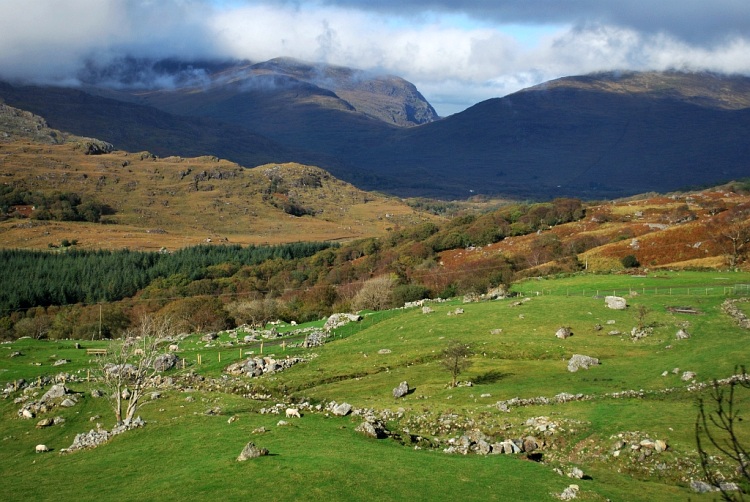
(596, 136)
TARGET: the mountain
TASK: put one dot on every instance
(597, 136)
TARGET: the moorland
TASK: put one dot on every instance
(479, 358)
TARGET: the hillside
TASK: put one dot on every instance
(598, 136)
(174, 201)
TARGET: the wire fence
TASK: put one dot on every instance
(734, 290)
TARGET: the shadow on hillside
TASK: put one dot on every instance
(490, 377)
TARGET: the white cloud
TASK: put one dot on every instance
(453, 62)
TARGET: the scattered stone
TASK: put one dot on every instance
(281, 423)
(165, 362)
(96, 393)
(496, 331)
(687, 376)
(56, 391)
(580, 361)
(68, 403)
(251, 451)
(575, 473)
(338, 320)
(367, 429)
(401, 390)
(342, 409)
(45, 422)
(616, 302)
(682, 335)
(563, 333)
(427, 310)
(60, 362)
(209, 337)
(384, 351)
(27, 414)
(155, 395)
(15, 354)
(569, 493)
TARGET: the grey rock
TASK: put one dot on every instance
(615, 302)
(45, 422)
(682, 335)
(342, 409)
(68, 403)
(367, 429)
(55, 392)
(401, 390)
(165, 362)
(580, 361)
(563, 333)
(251, 451)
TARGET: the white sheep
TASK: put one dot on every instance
(41, 448)
(292, 412)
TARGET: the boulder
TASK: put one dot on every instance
(575, 473)
(401, 390)
(68, 403)
(56, 391)
(45, 422)
(682, 335)
(615, 302)
(427, 310)
(581, 361)
(342, 409)
(688, 376)
(251, 451)
(367, 429)
(563, 333)
(569, 493)
(165, 362)
(338, 320)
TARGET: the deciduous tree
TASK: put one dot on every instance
(456, 359)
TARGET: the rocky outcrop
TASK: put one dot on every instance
(580, 361)
(259, 366)
(165, 362)
(338, 320)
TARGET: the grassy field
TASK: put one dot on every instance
(185, 452)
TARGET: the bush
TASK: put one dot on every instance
(630, 261)
(409, 293)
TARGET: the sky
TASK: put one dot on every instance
(457, 52)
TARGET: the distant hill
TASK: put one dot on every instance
(598, 136)
(151, 202)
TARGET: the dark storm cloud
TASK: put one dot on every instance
(695, 21)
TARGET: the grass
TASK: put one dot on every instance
(321, 456)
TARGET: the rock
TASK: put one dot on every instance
(682, 335)
(384, 351)
(575, 473)
(570, 492)
(96, 393)
(209, 337)
(155, 395)
(660, 445)
(338, 320)
(251, 451)
(496, 331)
(367, 429)
(427, 310)
(165, 362)
(45, 422)
(564, 333)
(483, 447)
(342, 409)
(615, 302)
(60, 362)
(55, 392)
(27, 414)
(401, 390)
(41, 448)
(125, 394)
(68, 403)
(581, 361)
(687, 376)
(530, 443)
(281, 423)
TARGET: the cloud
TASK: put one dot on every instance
(456, 52)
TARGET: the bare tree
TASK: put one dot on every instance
(376, 294)
(456, 359)
(718, 422)
(733, 234)
(256, 313)
(128, 368)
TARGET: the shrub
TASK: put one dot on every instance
(630, 261)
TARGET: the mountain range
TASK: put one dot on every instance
(597, 136)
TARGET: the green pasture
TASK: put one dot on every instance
(185, 453)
